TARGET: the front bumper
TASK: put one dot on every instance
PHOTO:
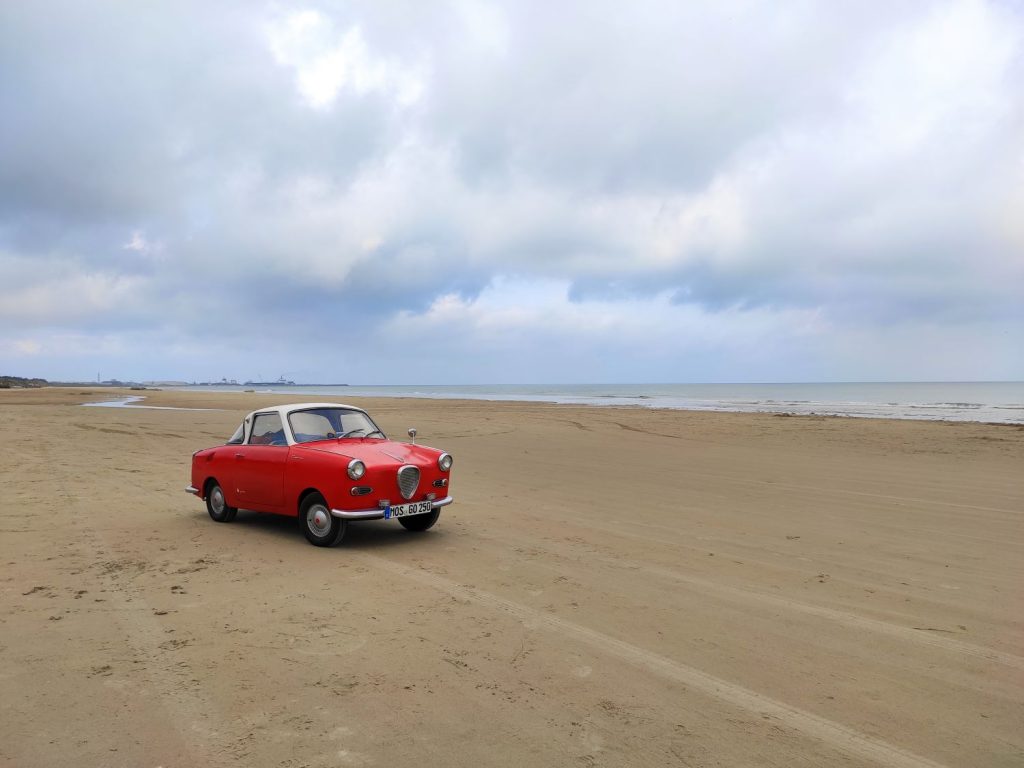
(193, 490)
(378, 514)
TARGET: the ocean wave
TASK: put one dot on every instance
(947, 405)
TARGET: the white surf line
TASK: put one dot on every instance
(839, 736)
(755, 597)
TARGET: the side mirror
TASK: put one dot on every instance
(412, 434)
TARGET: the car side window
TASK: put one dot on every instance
(267, 430)
(239, 436)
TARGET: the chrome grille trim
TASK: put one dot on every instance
(408, 480)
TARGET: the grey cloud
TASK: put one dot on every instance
(549, 142)
(136, 112)
(654, 98)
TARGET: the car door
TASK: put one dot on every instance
(259, 465)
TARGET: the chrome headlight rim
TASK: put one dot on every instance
(444, 462)
(356, 469)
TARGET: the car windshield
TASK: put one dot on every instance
(331, 423)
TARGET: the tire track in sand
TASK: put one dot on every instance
(189, 713)
(835, 734)
(756, 598)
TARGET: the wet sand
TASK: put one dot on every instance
(611, 587)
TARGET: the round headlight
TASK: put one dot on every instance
(444, 462)
(356, 469)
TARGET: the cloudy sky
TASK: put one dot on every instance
(463, 192)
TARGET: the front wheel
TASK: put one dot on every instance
(420, 522)
(216, 504)
(318, 524)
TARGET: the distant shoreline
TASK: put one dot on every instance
(982, 402)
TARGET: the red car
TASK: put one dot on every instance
(325, 463)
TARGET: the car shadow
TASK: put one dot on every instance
(365, 535)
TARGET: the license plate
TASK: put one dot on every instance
(404, 510)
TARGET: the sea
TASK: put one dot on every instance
(999, 402)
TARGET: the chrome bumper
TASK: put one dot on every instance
(193, 490)
(378, 513)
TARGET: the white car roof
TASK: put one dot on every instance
(284, 410)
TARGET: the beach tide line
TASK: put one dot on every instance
(835, 734)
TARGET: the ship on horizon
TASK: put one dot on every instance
(279, 383)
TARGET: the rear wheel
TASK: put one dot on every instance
(217, 505)
(318, 524)
(420, 522)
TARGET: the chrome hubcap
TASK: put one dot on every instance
(217, 500)
(319, 520)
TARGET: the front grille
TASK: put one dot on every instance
(408, 480)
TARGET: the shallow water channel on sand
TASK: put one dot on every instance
(131, 400)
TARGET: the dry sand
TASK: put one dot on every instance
(612, 587)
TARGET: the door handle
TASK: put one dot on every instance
(239, 455)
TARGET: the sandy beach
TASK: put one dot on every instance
(611, 587)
